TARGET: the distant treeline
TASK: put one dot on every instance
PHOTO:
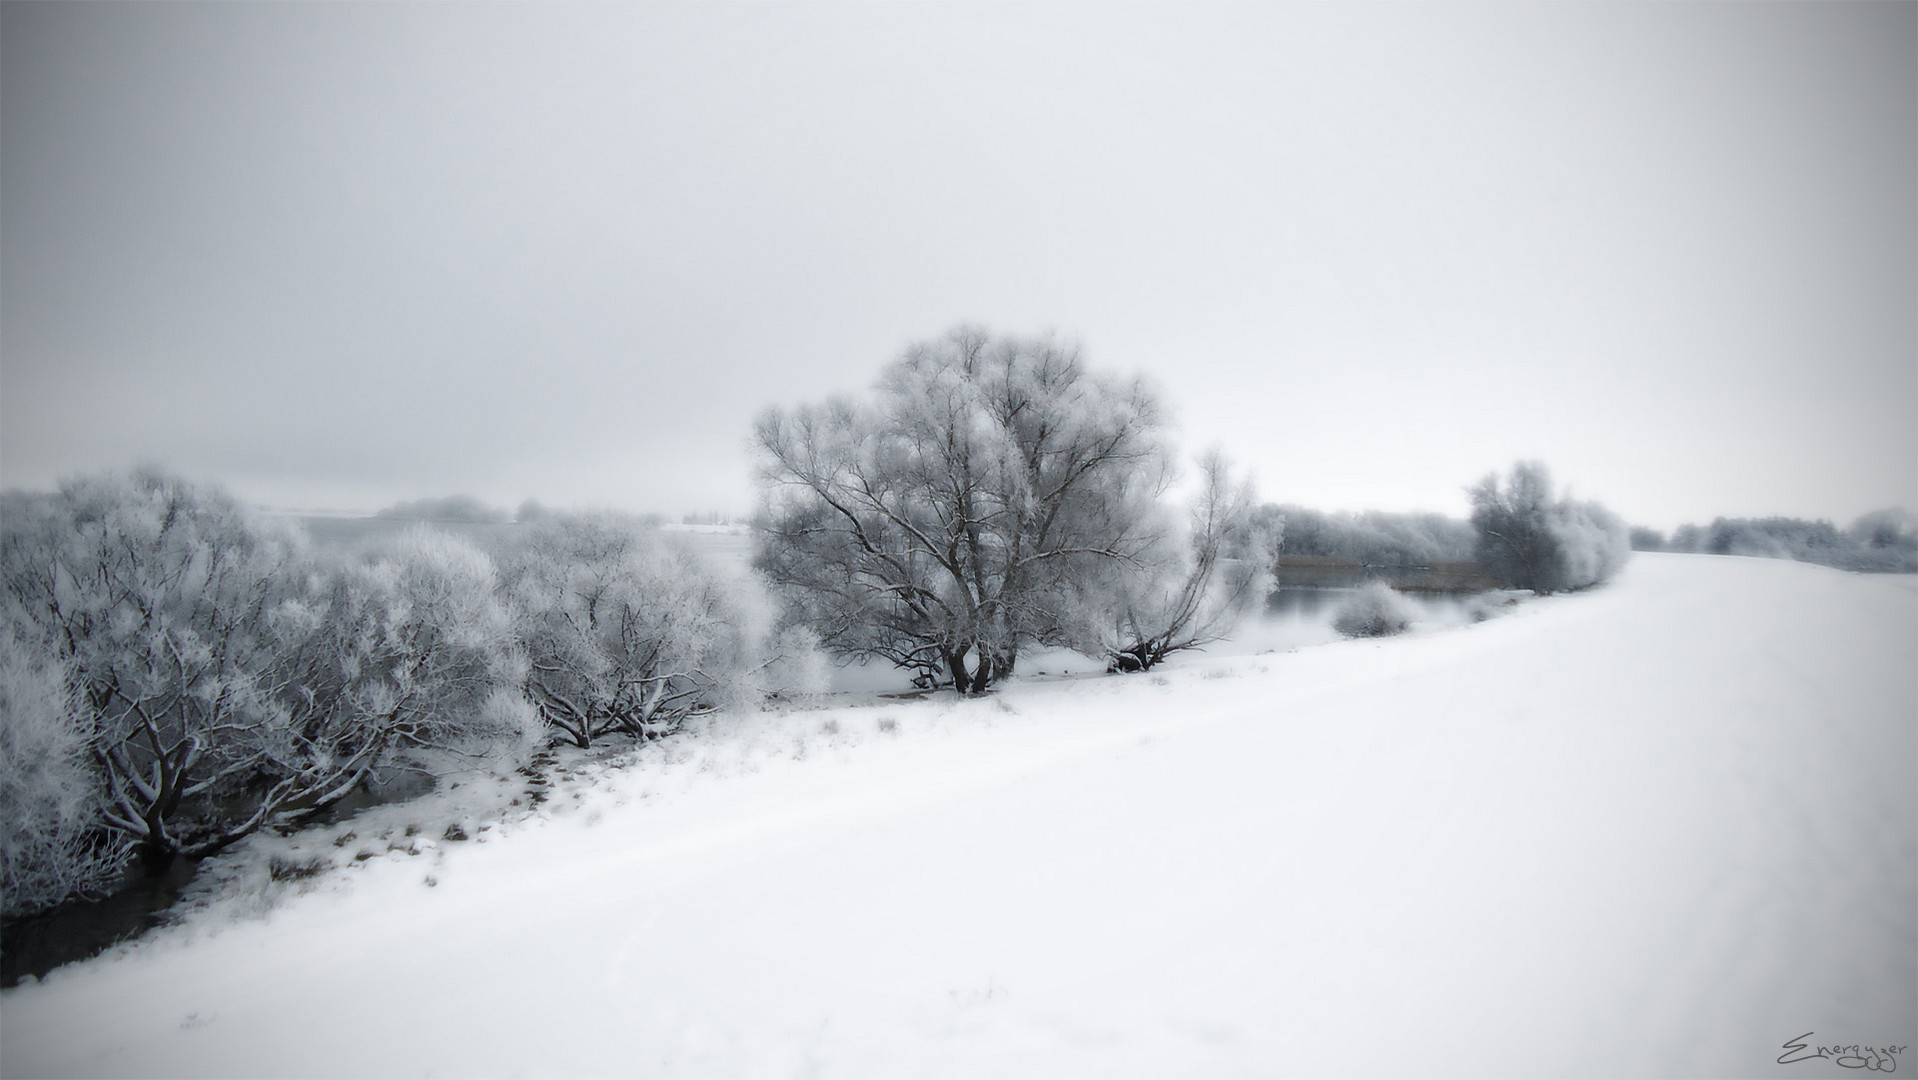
(1521, 534)
(1883, 541)
(1373, 537)
(467, 510)
(463, 509)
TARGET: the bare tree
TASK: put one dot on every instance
(940, 525)
(1532, 540)
(1193, 587)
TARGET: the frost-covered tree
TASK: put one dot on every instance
(225, 678)
(1514, 538)
(1532, 540)
(406, 654)
(624, 634)
(53, 844)
(156, 594)
(1193, 584)
(940, 524)
(1891, 527)
(1885, 541)
(1646, 538)
(1776, 538)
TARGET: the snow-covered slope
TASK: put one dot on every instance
(1663, 828)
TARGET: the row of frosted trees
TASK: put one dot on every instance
(994, 495)
(1883, 541)
(176, 673)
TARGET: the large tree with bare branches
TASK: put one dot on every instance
(941, 524)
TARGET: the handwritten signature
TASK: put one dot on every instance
(1873, 1058)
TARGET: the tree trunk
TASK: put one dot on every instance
(156, 858)
(961, 678)
(976, 678)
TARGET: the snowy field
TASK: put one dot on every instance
(1660, 829)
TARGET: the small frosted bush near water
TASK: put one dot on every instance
(1374, 611)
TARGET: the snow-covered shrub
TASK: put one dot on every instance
(1376, 610)
(1531, 540)
(53, 845)
(625, 634)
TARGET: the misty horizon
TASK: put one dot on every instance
(334, 258)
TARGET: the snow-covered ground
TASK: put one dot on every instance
(1663, 828)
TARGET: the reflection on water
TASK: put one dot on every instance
(78, 929)
(1299, 615)
(1304, 600)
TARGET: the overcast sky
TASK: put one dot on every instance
(336, 255)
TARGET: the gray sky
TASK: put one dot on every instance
(337, 255)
